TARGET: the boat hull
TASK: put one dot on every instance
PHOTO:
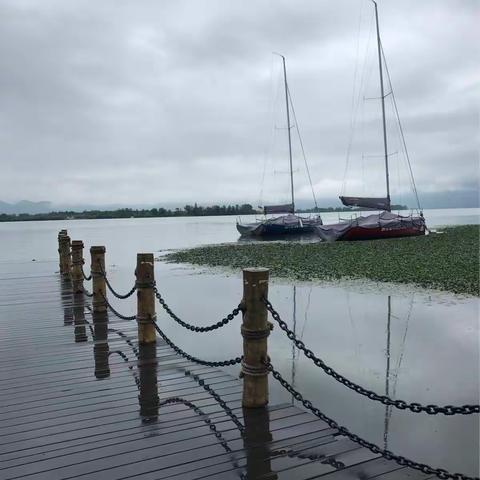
(373, 227)
(360, 233)
(280, 227)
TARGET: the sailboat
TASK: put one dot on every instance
(385, 224)
(289, 223)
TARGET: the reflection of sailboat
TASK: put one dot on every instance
(385, 224)
(290, 223)
(392, 392)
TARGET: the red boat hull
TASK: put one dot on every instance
(361, 233)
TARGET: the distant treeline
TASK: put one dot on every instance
(187, 211)
(344, 209)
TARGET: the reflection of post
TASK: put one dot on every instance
(257, 440)
(100, 347)
(255, 331)
(148, 396)
(79, 318)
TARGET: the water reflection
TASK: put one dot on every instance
(80, 330)
(101, 349)
(148, 388)
(257, 439)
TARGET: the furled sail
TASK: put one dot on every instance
(378, 203)
(288, 208)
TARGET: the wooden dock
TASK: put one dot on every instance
(70, 404)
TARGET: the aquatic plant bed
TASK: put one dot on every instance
(448, 260)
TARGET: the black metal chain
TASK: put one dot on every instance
(223, 404)
(322, 458)
(127, 361)
(232, 361)
(385, 400)
(86, 277)
(118, 314)
(126, 339)
(87, 293)
(207, 420)
(387, 454)
(194, 328)
(109, 285)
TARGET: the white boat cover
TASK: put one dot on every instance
(383, 220)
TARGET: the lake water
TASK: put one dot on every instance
(430, 339)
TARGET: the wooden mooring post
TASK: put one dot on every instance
(99, 287)
(65, 255)
(145, 298)
(255, 331)
(77, 262)
(61, 234)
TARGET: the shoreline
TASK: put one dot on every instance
(446, 261)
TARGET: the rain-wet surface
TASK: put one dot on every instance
(81, 398)
(70, 404)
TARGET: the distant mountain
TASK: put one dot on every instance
(25, 206)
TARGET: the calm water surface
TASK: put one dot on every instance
(419, 345)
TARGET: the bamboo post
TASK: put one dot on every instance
(99, 287)
(255, 331)
(77, 262)
(145, 298)
(61, 234)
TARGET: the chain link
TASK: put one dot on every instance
(118, 314)
(194, 328)
(219, 400)
(86, 277)
(130, 367)
(206, 419)
(283, 452)
(109, 285)
(387, 454)
(126, 339)
(400, 404)
(232, 361)
(87, 293)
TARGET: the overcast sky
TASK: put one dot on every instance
(159, 102)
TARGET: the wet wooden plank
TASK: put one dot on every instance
(57, 421)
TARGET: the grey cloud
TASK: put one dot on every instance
(151, 102)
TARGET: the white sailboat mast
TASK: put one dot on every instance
(382, 94)
(289, 132)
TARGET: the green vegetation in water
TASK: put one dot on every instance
(448, 260)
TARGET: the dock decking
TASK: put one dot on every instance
(70, 404)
